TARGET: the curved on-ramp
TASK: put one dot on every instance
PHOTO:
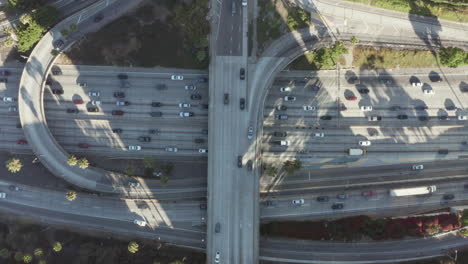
(32, 116)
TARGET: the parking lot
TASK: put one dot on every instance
(392, 117)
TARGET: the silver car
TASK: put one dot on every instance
(171, 149)
(94, 93)
(134, 148)
(250, 133)
(177, 77)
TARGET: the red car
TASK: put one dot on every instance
(22, 142)
(368, 193)
(83, 145)
(78, 101)
(117, 112)
(351, 98)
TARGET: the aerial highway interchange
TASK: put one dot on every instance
(314, 117)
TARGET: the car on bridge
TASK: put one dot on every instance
(177, 77)
(134, 148)
(139, 222)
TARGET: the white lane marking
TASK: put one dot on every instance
(79, 19)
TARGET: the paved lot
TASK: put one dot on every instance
(412, 123)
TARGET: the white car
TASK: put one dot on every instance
(428, 91)
(95, 102)
(244, 2)
(184, 105)
(94, 93)
(285, 89)
(171, 149)
(364, 143)
(290, 98)
(298, 202)
(177, 77)
(217, 257)
(366, 108)
(284, 142)
(139, 222)
(134, 184)
(135, 148)
(190, 87)
(250, 133)
(309, 108)
(462, 117)
(186, 114)
(8, 99)
(319, 134)
(418, 167)
(13, 109)
(2, 195)
(202, 150)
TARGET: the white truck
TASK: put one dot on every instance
(357, 152)
(413, 191)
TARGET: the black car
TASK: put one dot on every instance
(450, 108)
(250, 165)
(385, 81)
(443, 117)
(314, 88)
(281, 108)
(239, 161)
(242, 103)
(122, 76)
(326, 117)
(144, 139)
(142, 204)
(443, 151)
(57, 91)
(395, 108)
(153, 131)
(56, 72)
(204, 131)
(14, 188)
(421, 107)
(98, 18)
(323, 199)
(226, 98)
(242, 74)
(337, 206)
(402, 116)
(363, 91)
(72, 111)
(48, 81)
(4, 73)
(448, 196)
(156, 114)
(93, 109)
(117, 112)
(195, 96)
(424, 118)
(202, 206)
(119, 95)
(279, 134)
(117, 130)
(161, 86)
(199, 140)
(58, 44)
(204, 106)
(3, 80)
(156, 104)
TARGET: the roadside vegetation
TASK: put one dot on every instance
(28, 243)
(35, 21)
(321, 59)
(276, 18)
(455, 10)
(365, 57)
(358, 228)
(158, 33)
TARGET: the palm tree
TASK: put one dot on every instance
(27, 258)
(5, 253)
(71, 196)
(83, 163)
(42, 261)
(148, 162)
(18, 256)
(38, 252)
(14, 165)
(72, 160)
(133, 247)
(57, 246)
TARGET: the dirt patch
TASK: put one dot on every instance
(154, 34)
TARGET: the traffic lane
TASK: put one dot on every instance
(357, 204)
(229, 40)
